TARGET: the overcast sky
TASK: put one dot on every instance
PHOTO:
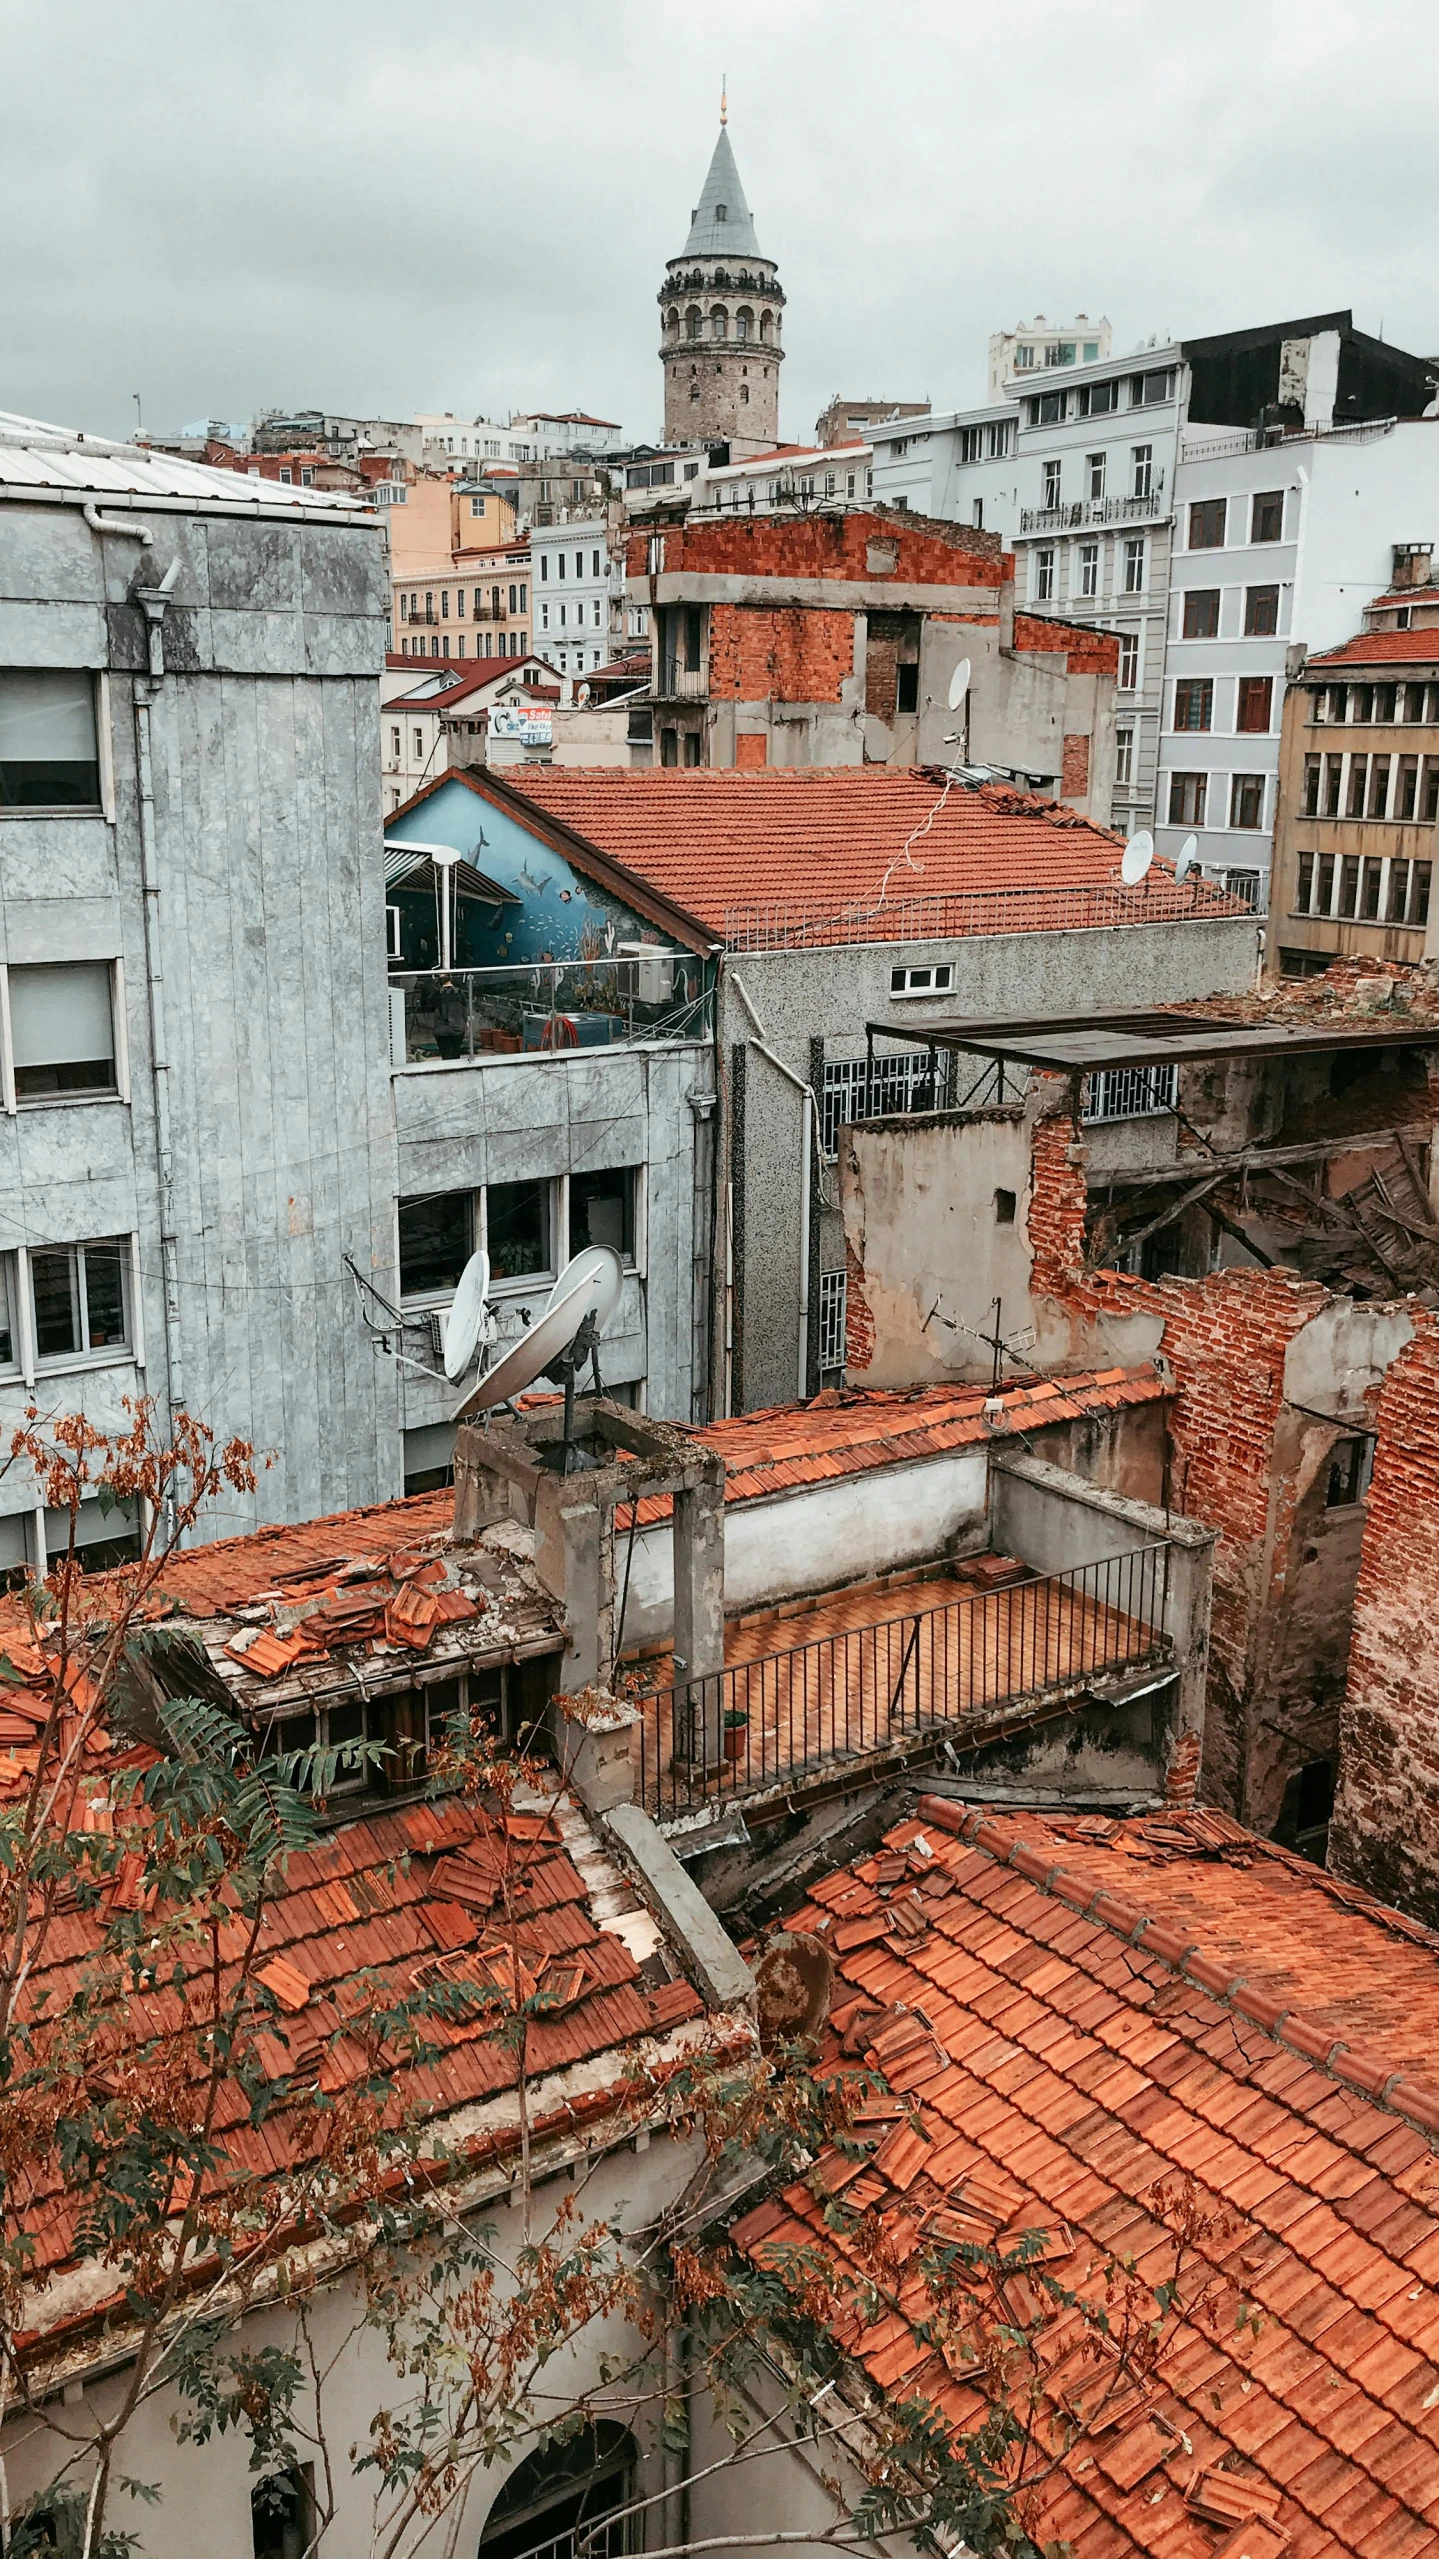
(381, 208)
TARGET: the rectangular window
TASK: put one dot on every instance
(49, 748)
(1130, 1092)
(906, 697)
(544, 568)
(517, 1229)
(1051, 484)
(1134, 567)
(1048, 409)
(1328, 876)
(1097, 399)
(833, 1294)
(905, 1081)
(1303, 884)
(602, 1211)
(1207, 519)
(1261, 611)
(1412, 705)
(692, 630)
(1358, 784)
(1384, 704)
(1201, 613)
(1266, 521)
(1194, 702)
(1246, 800)
(1379, 785)
(62, 1029)
(1255, 706)
(1333, 784)
(1313, 775)
(970, 443)
(1429, 791)
(1349, 870)
(1129, 660)
(1187, 794)
(1089, 568)
(460, 602)
(1094, 470)
(1361, 703)
(595, 557)
(936, 979)
(1142, 459)
(1407, 792)
(559, 564)
(436, 1241)
(79, 1296)
(445, 604)
(1123, 758)
(1044, 576)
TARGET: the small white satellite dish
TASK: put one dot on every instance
(1188, 856)
(959, 684)
(597, 1261)
(1138, 854)
(534, 1352)
(466, 1316)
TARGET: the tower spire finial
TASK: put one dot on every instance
(724, 100)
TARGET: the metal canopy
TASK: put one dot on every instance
(1153, 1037)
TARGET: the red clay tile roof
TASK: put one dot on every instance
(398, 1894)
(1112, 2003)
(1373, 648)
(850, 1434)
(715, 840)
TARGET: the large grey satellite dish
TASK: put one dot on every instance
(535, 1351)
(1188, 856)
(466, 1315)
(959, 684)
(1138, 854)
(597, 1261)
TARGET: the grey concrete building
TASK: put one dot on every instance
(197, 1120)
(839, 895)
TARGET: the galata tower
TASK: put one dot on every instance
(720, 316)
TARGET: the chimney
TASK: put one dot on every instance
(1413, 563)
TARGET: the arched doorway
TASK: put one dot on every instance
(565, 2489)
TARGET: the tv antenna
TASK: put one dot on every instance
(579, 1307)
(1138, 854)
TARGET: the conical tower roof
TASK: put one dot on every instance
(722, 220)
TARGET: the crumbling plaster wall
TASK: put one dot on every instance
(1385, 1834)
(1260, 1362)
(934, 1222)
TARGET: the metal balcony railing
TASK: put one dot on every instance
(1096, 512)
(554, 1009)
(948, 1671)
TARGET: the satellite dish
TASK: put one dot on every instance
(597, 1261)
(959, 684)
(466, 1315)
(589, 1285)
(1138, 854)
(1188, 856)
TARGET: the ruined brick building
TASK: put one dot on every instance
(721, 307)
(1241, 1190)
(833, 637)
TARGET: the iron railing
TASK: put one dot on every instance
(1140, 507)
(948, 1670)
(948, 915)
(550, 1009)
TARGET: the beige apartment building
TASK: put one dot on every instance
(474, 605)
(1358, 801)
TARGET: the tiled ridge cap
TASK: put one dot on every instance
(1358, 2066)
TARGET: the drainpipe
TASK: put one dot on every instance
(154, 603)
(806, 1132)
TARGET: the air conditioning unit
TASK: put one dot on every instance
(654, 971)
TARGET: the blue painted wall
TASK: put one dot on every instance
(560, 915)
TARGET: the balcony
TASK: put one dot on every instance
(553, 1009)
(1094, 513)
(967, 1665)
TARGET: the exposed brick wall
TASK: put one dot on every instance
(1385, 1833)
(751, 749)
(1087, 652)
(1074, 768)
(1225, 1338)
(785, 654)
(858, 1321)
(929, 552)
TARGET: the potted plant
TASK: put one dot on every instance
(736, 1725)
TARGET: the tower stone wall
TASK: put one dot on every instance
(721, 321)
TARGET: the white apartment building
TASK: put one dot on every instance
(1036, 345)
(521, 439)
(578, 593)
(1290, 459)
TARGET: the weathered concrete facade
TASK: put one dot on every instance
(230, 877)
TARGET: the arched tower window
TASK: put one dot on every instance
(719, 324)
(766, 328)
(561, 2490)
(744, 395)
(672, 320)
(694, 320)
(744, 324)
